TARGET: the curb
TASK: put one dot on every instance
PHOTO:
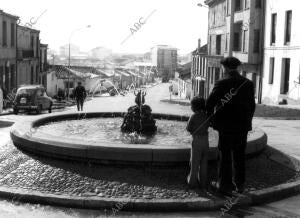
(175, 102)
(6, 113)
(158, 205)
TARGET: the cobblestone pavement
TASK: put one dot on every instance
(19, 170)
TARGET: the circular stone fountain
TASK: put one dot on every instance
(96, 137)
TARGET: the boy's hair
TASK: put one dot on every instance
(198, 103)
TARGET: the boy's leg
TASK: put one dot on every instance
(203, 163)
(194, 164)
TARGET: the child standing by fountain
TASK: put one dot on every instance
(198, 126)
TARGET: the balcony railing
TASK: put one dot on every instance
(25, 54)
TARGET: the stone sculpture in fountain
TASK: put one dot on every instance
(139, 118)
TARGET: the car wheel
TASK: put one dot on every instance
(39, 109)
(16, 111)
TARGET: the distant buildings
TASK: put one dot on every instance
(281, 82)
(100, 53)
(64, 50)
(164, 57)
(8, 50)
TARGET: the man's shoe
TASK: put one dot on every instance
(240, 189)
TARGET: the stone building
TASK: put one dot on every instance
(236, 28)
(164, 58)
(8, 45)
(281, 82)
(28, 54)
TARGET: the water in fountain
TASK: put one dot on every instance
(99, 85)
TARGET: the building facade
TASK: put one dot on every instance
(164, 58)
(200, 85)
(43, 64)
(28, 56)
(236, 28)
(281, 81)
(8, 46)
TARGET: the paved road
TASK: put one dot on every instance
(283, 135)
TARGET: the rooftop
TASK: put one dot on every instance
(8, 15)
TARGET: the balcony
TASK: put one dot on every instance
(25, 54)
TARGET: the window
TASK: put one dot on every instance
(214, 22)
(31, 75)
(256, 41)
(217, 74)
(244, 73)
(236, 41)
(12, 35)
(288, 27)
(37, 47)
(237, 5)
(258, 3)
(12, 76)
(31, 41)
(1, 75)
(4, 33)
(226, 42)
(218, 44)
(254, 80)
(210, 41)
(285, 76)
(227, 7)
(271, 70)
(273, 28)
(245, 40)
(246, 4)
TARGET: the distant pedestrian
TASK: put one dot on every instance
(80, 95)
(1, 100)
(198, 127)
(231, 105)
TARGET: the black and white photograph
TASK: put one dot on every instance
(149, 108)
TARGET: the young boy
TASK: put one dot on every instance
(198, 126)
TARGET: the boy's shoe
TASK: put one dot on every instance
(220, 190)
(193, 185)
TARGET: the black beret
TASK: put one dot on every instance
(231, 62)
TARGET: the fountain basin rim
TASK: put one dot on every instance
(22, 138)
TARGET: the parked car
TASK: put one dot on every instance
(32, 98)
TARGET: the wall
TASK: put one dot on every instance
(271, 92)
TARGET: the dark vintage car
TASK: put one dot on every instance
(32, 98)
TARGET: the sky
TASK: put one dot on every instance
(178, 23)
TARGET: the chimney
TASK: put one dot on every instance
(199, 44)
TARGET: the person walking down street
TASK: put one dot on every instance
(231, 106)
(198, 127)
(80, 95)
(1, 100)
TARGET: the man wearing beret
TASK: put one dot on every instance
(231, 105)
